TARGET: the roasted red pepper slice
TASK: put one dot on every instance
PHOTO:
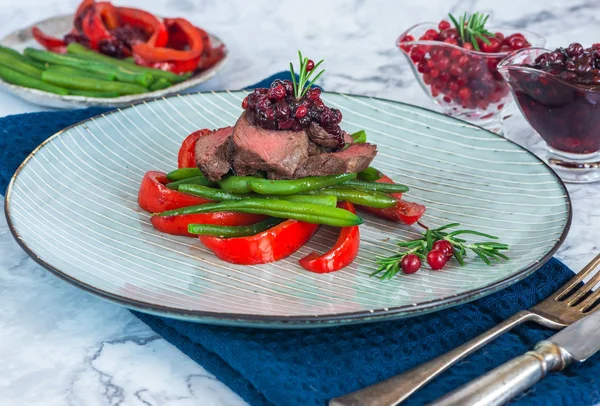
(83, 6)
(155, 197)
(94, 29)
(150, 53)
(404, 212)
(109, 14)
(147, 22)
(178, 225)
(50, 43)
(185, 158)
(271, 245)
(341, 255)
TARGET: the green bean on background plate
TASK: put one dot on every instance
(17, 64)
(83, 52)
(307, 212)
(15, 54)
(17, 78)
(221, 195)
(67, 70)
(233, 231)
(195, 180)
(92, 93)
(184, 173)
(81, 83)
(295, 186)
(356, 196)
(159, 84)
(377, 186)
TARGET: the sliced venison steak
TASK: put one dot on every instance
(253, 148)
(355, 158)
(211, 153)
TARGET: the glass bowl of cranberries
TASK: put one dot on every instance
(558, 92)
(458, 67)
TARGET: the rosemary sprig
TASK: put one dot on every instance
(487, 251)
(304, 77)
(470, 28)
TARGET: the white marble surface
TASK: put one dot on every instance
(60, 346)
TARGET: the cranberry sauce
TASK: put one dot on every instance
(276, 108)
(561, 101)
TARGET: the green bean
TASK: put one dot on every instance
(308, 212)
(161, 83)
(233, 231)
(121, 74)
(88, 54)
(15, 54)
(17, 78)
(92, 93)
(67, 70)
(16, 63)
(377, 186)
(237, 184)
(362, 197)
(81, 83)
(360, 137)
(370, 174)
(196, 180)
(183, 173)
(291, 187)
(221, 195)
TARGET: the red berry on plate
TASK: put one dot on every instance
(277, 92)
(444, 246)
(301, 112)
(245, 103)
(410, 263)
(443, 25)
(436, 259)
(314, 93)
(310, 65)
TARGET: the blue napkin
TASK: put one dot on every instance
(309, 367)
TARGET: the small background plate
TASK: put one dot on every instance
(72, 206)
(58, 26)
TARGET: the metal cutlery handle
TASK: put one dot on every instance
(396, 389)
(502, 384)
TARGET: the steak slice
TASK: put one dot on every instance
(253, 148)
(321, 137)
(355, 158)
(211, 153)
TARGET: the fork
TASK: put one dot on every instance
(564, 307)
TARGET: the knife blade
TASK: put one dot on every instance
(578, 342)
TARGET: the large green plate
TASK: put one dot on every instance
(72, 206)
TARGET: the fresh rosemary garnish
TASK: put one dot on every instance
(488, 251)
(470, 28)
(306, 71)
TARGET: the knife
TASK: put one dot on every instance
(577, 343)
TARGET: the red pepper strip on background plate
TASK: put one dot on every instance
(271, 245)
(82, 7)
(155, 197)
(109, 14)
(178, 225)
(93, 27)
(50, 43)
(185, 157)
(147, 22)
(170, 59)
(341, 255)
(404, 212)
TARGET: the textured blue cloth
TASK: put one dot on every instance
(308, 367)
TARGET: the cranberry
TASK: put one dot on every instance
(516, 43)
(463, 61)
(455, 70)
(448, 33)
(464, 93)
(505, 48)
(443, 25)
(468, 46)
(289, 87)
(327, 117)
(337, 115)
(445, 247)
(493, 46)
(430, 35)
(245, 103)
(575, 50)
(310, 65)
(263, 103)
(436, 259)
(278, 92)
(313, 93)
(500, 36)
(301, 111)
(410, 264)
(417, 55)
(282, 110)
(286, 124)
